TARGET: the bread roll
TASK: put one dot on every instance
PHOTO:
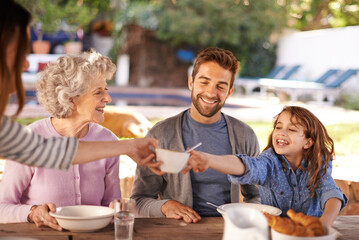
(297, 225)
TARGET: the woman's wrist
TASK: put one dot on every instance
(29, 216)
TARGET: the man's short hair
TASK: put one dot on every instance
(223, 58)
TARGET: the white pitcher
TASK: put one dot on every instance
(242, 222)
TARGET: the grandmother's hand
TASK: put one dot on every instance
(142, 152)
(41, 217)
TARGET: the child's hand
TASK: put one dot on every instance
(198, 161)
(325, 224)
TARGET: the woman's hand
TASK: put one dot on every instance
(41, 217)
(142, 152)
(139, 150)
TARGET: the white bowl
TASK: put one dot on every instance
(332, 235)
(260, 207)
(173, 162)
(83, 218)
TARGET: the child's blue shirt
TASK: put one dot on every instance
(287, 189)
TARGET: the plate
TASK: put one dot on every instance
(261, 207)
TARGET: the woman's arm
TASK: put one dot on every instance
(137, 149)
(331, 211)
(24, 146)
(228, 164)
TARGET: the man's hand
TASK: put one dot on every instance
(177, 210)
(41, 217)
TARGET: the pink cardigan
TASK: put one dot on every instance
(95, 183)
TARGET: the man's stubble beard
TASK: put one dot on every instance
(197, 105)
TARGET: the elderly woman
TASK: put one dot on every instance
(73, 90)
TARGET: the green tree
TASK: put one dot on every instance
(319, 14)
(244, 27)
(75, 13)
(46, 16)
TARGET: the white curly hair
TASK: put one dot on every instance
(70, 76)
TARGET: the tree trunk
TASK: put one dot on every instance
(153, 63)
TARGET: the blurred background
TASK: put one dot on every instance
(154, 42)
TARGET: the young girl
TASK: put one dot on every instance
(294, 170)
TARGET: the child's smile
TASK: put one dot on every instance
(289, 139)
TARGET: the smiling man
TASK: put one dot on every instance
(185, 196)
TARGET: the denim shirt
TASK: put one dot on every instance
(287, 189)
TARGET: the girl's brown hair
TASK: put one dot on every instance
(14, 21)
(322, 150)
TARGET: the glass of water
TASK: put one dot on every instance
(125, 209)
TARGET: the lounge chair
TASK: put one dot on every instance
(278, 72)
(326, 76)
(325, 87)
(342, 78)
(275, 71)
(290, 72)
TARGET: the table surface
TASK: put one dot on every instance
(159, 228)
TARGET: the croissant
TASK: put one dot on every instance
(279, 224)
(290, 226)
(310, 222)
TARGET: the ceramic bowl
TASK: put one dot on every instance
(260, 207)
(173, 162)
(83, 218)
(332, 235)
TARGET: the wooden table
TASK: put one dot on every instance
(159, 228)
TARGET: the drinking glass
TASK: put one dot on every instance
(125, 209)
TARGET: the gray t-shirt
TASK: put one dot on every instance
(210, 185)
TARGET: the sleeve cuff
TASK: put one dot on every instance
(335, 193)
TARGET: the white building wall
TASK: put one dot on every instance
(319, 50)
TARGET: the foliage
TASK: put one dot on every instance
(346, 138)
(45, 15)
(348, 101)
(142, 13)
(319, 14)
(27, 121)
(242, 28)
(76, 16)
(73, 14)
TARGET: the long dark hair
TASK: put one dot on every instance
(322, 150)
(14, 20)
